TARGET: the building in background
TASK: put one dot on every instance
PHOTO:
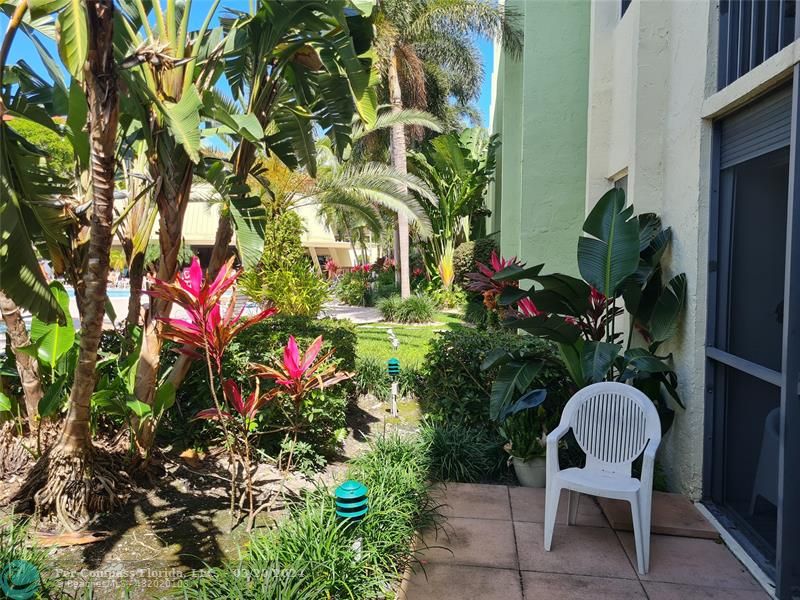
(202, 216)
(539, 110)
(693, 107)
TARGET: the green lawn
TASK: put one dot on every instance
(373, 341)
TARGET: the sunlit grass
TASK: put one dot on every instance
(373, 340)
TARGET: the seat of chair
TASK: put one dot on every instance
(598, 483)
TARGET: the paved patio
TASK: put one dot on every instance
(491, 548)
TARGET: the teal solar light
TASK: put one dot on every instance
(351, 500)
(394, 367)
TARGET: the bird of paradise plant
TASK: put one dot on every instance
(298, 374)
(209, 330)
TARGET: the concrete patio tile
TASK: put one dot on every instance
(527, 505)
(674, 591)
(593, 551)
(474, 501)
(552, 586)
(445, 582)
(690, 560)
(478, 542)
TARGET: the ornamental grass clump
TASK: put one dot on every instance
(315, 554)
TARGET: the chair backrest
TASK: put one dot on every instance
(613, 423)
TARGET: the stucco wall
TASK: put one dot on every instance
(650, 73)
(540, 111)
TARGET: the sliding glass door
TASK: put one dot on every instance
(752, 347)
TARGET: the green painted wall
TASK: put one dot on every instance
(540, 112)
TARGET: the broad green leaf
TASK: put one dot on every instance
(22, 279)
(551, 327)
(514, 378)
(76, 119)
(516, 272)
(53, 398)
(51, 339)
(5, 403)
(596, 360)
(571, 355)
(42, 8)
(183, 120)
(498, 356)
(73, 36)
(139, 408)
(511, 295)
(249, 220)
(668, 307)
(611, 254)
(164, 398)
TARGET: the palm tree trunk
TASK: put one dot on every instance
(398, 156)
(171, 200)
(27, 366)
(67, 481)
(135, 277)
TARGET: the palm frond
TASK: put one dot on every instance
(408, 117)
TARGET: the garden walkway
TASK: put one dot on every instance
(491, 548)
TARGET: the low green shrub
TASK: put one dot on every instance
(467, 254)
(353, 289)
(448, 299)
(315, 554)
(323, 412)
(295, 290)
(16, 544)
(460, 452)
(371, 377)
(453, 386)
(418, 308)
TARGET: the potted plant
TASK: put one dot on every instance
(523, 426)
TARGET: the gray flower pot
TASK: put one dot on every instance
(531, 473)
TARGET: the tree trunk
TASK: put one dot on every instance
(68, 481)
(135, 277)
(172, 200)
(27, 366)
(398, 156)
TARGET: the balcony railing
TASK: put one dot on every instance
(750, 31)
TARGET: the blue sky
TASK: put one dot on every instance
(23, 49)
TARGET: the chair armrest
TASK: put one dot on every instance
(648, 464)
(552, 448)
(557, 433)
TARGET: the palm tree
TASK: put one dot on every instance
(66, 480)
(439, 33)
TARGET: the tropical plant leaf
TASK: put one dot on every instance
(249, 219)
(551, 327)
(164, 398)
(528, 400)
(597, 359)
(611, 254)
(515, 272)
(571, 355)
(72, 32)
(183, 120)
(514, 378)
(52, 340)
(139, 408)
(53, 397)
(664, 319)
(5, 403)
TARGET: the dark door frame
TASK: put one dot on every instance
(787, 564)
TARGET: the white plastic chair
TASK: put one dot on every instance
(613, 424)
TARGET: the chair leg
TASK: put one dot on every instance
(646, 511)
(552, 494)
(638, 534)
(572, 504)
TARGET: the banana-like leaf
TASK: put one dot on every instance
(183, 120)
(597, 359)
(73, 36)
(551, 327)
(514, 378)
(668, 307)
(529, 400)
(571, 355)
(515, 272)
(249, 218)
(610, 252)
(52, 340)
(53, 398)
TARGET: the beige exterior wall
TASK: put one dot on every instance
(652, 99)
(200, 228)
(650, 72)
